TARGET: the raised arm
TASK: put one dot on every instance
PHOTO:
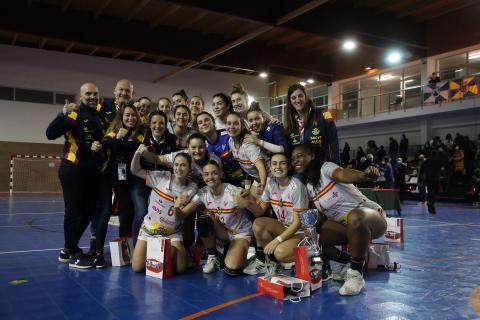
(135, 166)
(345, 175)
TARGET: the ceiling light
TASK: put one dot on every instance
(263, 74)
(385, 77)
(368, 68)
(303, 83)
(250, 100)
(459, 70)
(394, 57)
(409, 80)
(310, 81)
(349, 45)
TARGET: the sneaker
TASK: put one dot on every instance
(64, 256)
(255, 267)
(92, 251)
(326, 272)
(354, 283)
(99, 261)
(342, 275)
(212, 262)
(80, 261)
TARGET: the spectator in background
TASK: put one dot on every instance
(434, 79)
(429, 176)
(421, 181)
(469, 152)
(381, 153)
(386, 177)
(458, 164)
(345, 156)
(359, 155)
(393, 148)
(400, 170)
(476, 186)
(404, 148)
(371, 147)
(448, 140)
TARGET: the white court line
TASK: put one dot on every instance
(445, 225)
(33, 225)
(475, 239)
(19, 201)
(39, 250)
(29, 213)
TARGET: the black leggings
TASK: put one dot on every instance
(78, 185)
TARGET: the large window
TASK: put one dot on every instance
(349, 99)
(453, 67)
(474, 62)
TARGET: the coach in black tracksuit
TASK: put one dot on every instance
(78, 171)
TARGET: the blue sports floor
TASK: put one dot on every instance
(439, 278)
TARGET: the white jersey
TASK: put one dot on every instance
(224, 209)
(286, 201)
(337, 199)
(196, 168)
(247, 155)
(182, 141)
(161, 218)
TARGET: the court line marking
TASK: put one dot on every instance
(475, 300)
(30, 213)
(221, 306)
(446, 225)
(40, 250)
(33, 225)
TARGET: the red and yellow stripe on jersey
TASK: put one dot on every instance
(164, 195)
(71, 149)
(221, 211)
(327, 115)
(248, 161)
(225, 153)
(323, 191)
(72, 117)
(281, 203)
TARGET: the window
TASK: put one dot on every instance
(453, 67)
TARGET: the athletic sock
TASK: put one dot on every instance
(272, 257)
(357, 264)
(260, 255)
(342, 257)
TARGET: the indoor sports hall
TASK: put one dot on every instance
(397, 80)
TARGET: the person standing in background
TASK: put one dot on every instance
(404, 148)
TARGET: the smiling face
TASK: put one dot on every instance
(196, 106)
(129, 118)
(144, 107)
(181, 167)
(234, 125)
(255, 121)
(301, 158)
(178, 100)
(89, 95)
(182, 117)
(205, 124)
(123, 92)
(239, 102)
(279, 166)
(197, 149)
(298, 100)
(157, 124)
(219, 107)
(212, 175)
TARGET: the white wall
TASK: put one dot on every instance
(65, 72)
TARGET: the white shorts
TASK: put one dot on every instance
(144, 235)
(241, 234)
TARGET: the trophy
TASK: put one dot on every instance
(308, 219)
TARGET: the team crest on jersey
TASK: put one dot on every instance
(315, 131)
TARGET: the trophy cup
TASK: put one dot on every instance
(308, 219)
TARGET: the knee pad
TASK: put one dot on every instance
(233, 272)
(204, 226)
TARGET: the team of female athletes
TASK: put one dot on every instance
(239, 178)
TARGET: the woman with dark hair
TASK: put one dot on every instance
(180, 98)
(221, 106)
(121, 140)
(350, 217)
(160, 219)
(165, 105)
(251, 158)
(196, 105)
(277, 237)
(266, 134)
(217, 142)
(182, 130)
(226, 221)
(304, 123)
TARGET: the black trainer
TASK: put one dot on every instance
(80, 261)
(99, 261)
(431, 208)
(326, 272)
(64, 256)
(92, 251)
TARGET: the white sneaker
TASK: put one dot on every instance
(209, 266)
(342, 274)
(258, 267)
(353, 283)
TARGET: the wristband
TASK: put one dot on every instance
(279, 239)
